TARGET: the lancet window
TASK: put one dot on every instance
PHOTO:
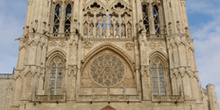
(56, 74)
(61, 18)
(157, 70)
(146, 18)
(151, 12)
(68, 19)
(103, 23)
(156, 19)
(57, 19)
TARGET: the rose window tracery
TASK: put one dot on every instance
(107, 70)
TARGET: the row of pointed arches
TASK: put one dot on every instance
(101, 22)
(56, 69)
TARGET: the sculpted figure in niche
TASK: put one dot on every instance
(170, 27)
(91, 29)
(165, 29)
(85, 29)
(116, 30)
(129, 30)
(44, 27)
(26, 32)
(178, 26)
(103, 30)
(187, 31)
(140, 27)
(35, 26)
(123, 30)
(112, 30)
(97, 30)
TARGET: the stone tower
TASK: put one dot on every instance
(108, 55)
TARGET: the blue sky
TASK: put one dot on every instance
(204, 21)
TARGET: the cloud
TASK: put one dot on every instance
(203, 6)
(206, 37)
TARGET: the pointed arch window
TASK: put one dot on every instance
(146, 18)
(56, 77)
(57, 19)
(156, 19)
(158, 78)
(68, 19)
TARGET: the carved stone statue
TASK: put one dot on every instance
(165, 29)
(35, 26)
(112, 30)
(187, 31)
(178, 26)
(129, 33)
(85, 29)
(170, 27)
(116, 30)
(103, 30)
(91, 29)
(26, 31)
(97, 30)
(123, 30)
(44, 27)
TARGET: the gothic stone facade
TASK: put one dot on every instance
(106, 55)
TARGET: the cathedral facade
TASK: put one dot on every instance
(106, 55)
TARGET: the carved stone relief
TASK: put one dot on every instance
(129, 46)
(57, 43)
(87, 44)
(154, 45)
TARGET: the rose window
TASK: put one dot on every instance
(107, 70)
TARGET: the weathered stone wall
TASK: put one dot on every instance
(6, 91)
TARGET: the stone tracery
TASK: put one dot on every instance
(107, 70)
(106, 20)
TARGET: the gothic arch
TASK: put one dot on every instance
(111, 47)
(161, 55)
(95, 1)
(55, 68)
(22, 47)
(18, 76)
(145, 3)
(33, 43)
(69, 2)
(117, 1)
(190, 48)
(160, 77)
(27, 73)
(107, 66)
(57, 51)
(157, 3)
(56, 2)
(183, 43)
